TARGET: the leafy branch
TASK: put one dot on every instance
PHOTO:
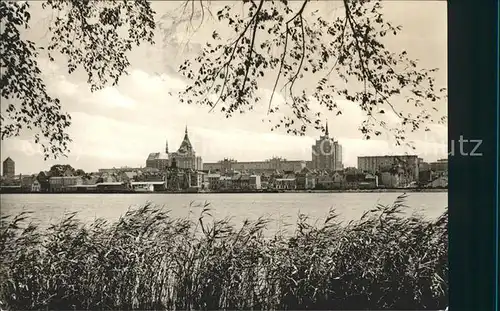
(363, 70)
(25, 100)
(276, 43)
(93, 35)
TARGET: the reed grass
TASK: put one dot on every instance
(148, 260)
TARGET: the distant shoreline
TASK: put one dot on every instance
(392, 190)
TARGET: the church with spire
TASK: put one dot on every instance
(327, 153)
(185, 157)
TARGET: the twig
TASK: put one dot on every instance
(231, 58)
(250, 51)
(340, 49)
(299, 13)
(281, 68)
(303, 55)
(365, 71)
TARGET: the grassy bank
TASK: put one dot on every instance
(148, 260)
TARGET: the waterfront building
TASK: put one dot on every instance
(327, 153)
(305, 179)
(64, 183)
(9, 167)
(353, 177)
(404, 165)
(108, 178)
(91, 180)
(127, 176)
(36, 186)
(115, 186)
(370, 182)
(26, 181)
(270, 165)
(246, 182)
(255, 182)
(43, 179)
(440, 166)
(225, 182)
(236, 182)
(148, 186)
(285, 183)
(196, 179)
(325, 182)
(389, 180)
(185, 157)
(423, 166)
(331, 181)
(213, 180)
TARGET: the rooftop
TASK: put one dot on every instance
(8, 160)
(185, 146)
(390, 156)
(147, 183)
(158, 156)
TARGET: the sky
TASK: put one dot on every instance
(119, 126)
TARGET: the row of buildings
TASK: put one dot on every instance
(151, 180)
(326, 154)
(183, 169)
(144, 180)
(181, 179)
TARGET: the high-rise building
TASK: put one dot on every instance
(327, 153)
(439, 166)
(9, 167)
(409, 164)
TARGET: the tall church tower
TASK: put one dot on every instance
(166, 146)
(185, 157)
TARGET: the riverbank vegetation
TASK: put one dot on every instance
(149, 260)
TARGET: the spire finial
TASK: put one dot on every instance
(186, 131)
(326, 132)
(166, 146)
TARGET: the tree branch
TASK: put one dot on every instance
(299, 13)
(294, 78)
(231, 58)
(250, 51)
(340, 49)
(282, 62)
(365, 71)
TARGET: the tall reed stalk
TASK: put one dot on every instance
(148, 260)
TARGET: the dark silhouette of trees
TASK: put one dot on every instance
(90, 34)
(285, 40)
(80, 172)
(43, 179)
(30, 106)
(58, 170)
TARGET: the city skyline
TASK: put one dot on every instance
(302, 147)
(120, 126)
(308, 158)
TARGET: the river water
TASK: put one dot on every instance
(278, 207)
